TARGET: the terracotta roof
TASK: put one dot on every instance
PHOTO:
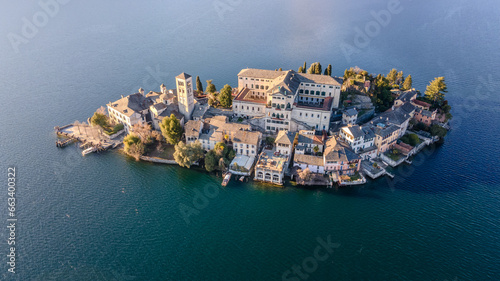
(308, 159)
(285, 137)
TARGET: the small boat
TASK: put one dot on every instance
(89, 150)
(227, 178)
(242, 178)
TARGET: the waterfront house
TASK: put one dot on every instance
(314, 163)
(421, 104)
(361, 139)
(340, 159)
(271, 167)
(284, 142)
(425, 116)
(130, 110)
(385, 136)
(247, 143)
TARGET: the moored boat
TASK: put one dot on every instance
(227, 178)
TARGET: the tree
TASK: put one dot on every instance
(436, 90)
(220, 148)
(399, 78)
(439, 131)
(280, 69)
(316, 149)
(328, 70)
(171, 129)
(408, 83)
(211, 102)
(315, 68)
(305, 174)
(199, 86)
(210, 87)
(269, 140)
(186, 154)
(225, 97)
(304, 67)
(133, 146)
(99, 119)
(301, 70)
(392, 76)
(144, 131)
(211, 161)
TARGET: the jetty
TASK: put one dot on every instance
(92, 138)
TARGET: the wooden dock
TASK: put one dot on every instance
(89, 136)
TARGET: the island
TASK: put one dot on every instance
(305, 126)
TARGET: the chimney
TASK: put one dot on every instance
(141, 91)
(163, 89)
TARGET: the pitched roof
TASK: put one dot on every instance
(308, 159)
(183, 76)
(384, 130)
(285, 137)
(421, 103)
(320, 79)
(131, 104)
(260, 73)
(358, 131)
(247, 137)
(407, 96)
(351, 112)
(338, 151)
(397, 116)
(309, 139)
(171, 109)
(192, 128)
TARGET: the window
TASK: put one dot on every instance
(301, 114)
(307, 92)
(323, 93)
(317, 93)
(301, 91)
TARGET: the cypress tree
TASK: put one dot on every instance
(301, 70)
(304, 67)
(199, 86)
(408, 83)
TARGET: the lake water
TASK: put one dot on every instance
(106, 217)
